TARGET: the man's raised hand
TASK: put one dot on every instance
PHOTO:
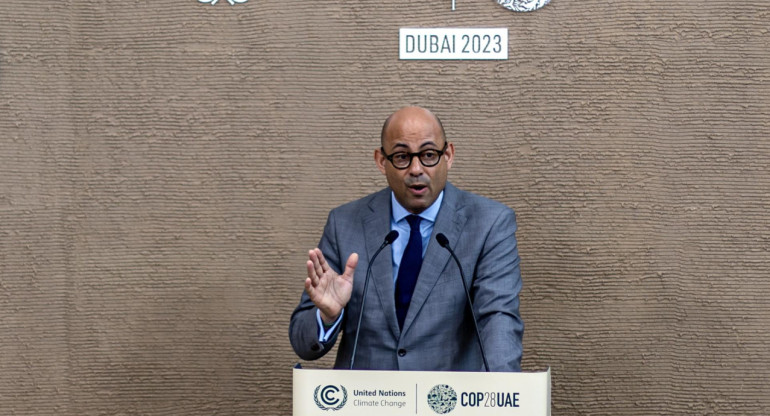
(329, 291)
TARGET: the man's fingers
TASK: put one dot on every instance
(312, 277)
(317, 268)
(322, 261)
(312, 290)
(350, 266)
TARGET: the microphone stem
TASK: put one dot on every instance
(470, 306)
(363, 302)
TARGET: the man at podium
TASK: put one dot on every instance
(415, 313)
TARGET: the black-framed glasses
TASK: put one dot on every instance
(428, 157)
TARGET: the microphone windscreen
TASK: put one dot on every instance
(391, 237)
(442, 240)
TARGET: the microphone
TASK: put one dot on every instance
(444, 242)
(389, 239)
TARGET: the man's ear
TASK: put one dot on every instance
(380, 160)
(449, 154)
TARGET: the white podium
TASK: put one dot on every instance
(421, 393)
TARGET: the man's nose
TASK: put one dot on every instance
(416, 168)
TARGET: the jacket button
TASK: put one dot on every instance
(401, 352)
(315, 347)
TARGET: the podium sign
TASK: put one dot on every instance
(421, 393)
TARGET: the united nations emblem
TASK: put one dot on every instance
(328, 397)
(523, 5)
(442, 399)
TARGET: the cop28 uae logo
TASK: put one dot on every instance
(328, 397)
(442, 399)
(232, 2)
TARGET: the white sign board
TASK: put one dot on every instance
(453, 43)
(420, 393)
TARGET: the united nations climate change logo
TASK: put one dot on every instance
(328, 397)
(442, 399)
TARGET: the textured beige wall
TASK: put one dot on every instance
(164, 166)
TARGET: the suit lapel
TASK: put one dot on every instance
(376, 227)
(450, 222)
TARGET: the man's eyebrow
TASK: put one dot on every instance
(400, 145)
(428, 143)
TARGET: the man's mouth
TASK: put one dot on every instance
(418, 188)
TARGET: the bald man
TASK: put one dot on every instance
(416, 314)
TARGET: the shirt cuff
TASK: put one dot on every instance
(324, 333)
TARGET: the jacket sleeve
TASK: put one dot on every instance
(496, 288)
(303, 327)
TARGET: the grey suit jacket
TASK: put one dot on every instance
(438, 331)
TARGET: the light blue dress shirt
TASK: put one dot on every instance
(399, 223)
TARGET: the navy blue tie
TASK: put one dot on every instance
(409, 269)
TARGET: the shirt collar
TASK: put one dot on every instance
(430, 214)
